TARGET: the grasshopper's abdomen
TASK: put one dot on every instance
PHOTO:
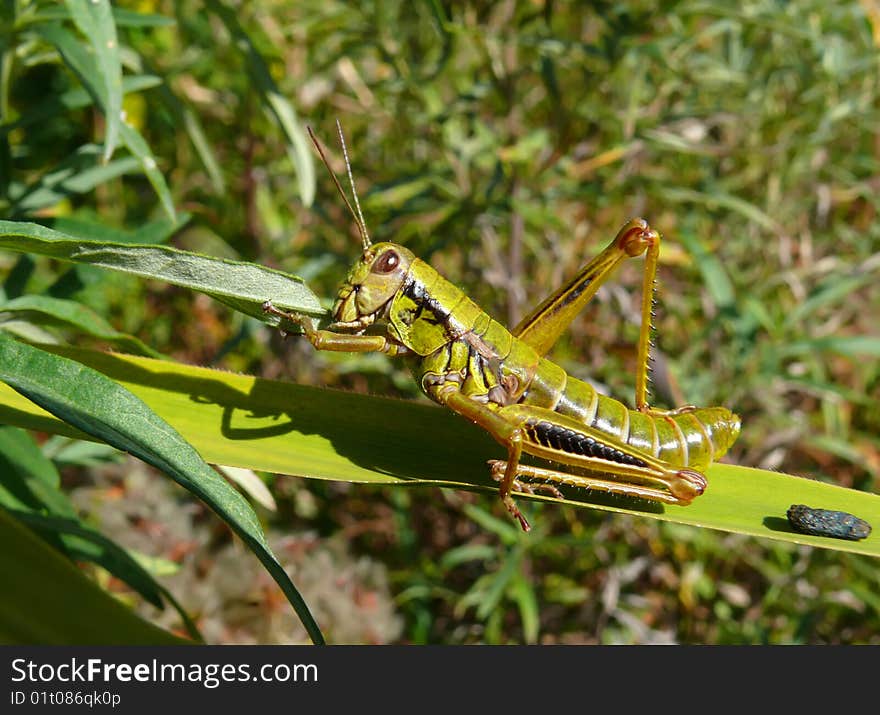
(689, 439)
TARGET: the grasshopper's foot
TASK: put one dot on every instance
(533, 488)
(269, 308)
(687, 485)
(285, 316)
(497, 468)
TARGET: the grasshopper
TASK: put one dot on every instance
(500, 380)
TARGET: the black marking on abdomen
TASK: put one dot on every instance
(573, 442)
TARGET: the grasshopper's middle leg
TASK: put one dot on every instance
(504, 431)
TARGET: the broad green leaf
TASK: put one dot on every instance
(30, 488)
(54, 603)
(94, 18)
(244, 286)
(101, 408)
(281, 427)
(279, 108)
(81, 543)
(44, 309)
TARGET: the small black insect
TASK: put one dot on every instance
(824, 522)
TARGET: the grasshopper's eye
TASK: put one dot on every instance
(386, 263)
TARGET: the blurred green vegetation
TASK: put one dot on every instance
(505, 143)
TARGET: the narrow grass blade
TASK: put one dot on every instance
(123, 17)
(130, 18)
(88, 70)
(830, 292)
(723, 200)
(715, 277)
(98, 406)
(196, 133)
(94, 18)
(79, 174)
(151, 232)
(76, 98)
(200, 143)
(849, 345)
(137, 145)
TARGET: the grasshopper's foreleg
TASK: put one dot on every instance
(336, 342)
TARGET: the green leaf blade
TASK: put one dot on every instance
(89, 401)
(94, 18)
(280, 110)
(284, 428)
(244, 286)
(85, 615)
(46, 309)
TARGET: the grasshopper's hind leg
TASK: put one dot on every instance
(687, 489)
(611, 464)
(542, 327)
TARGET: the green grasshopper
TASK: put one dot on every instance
(500, 380)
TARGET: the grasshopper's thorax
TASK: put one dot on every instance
(370, 285)
(429, 311)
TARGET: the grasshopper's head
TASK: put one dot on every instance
(370, 285)
(377, 276)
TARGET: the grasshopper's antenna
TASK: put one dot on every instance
(357, 203)
(357, 216)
